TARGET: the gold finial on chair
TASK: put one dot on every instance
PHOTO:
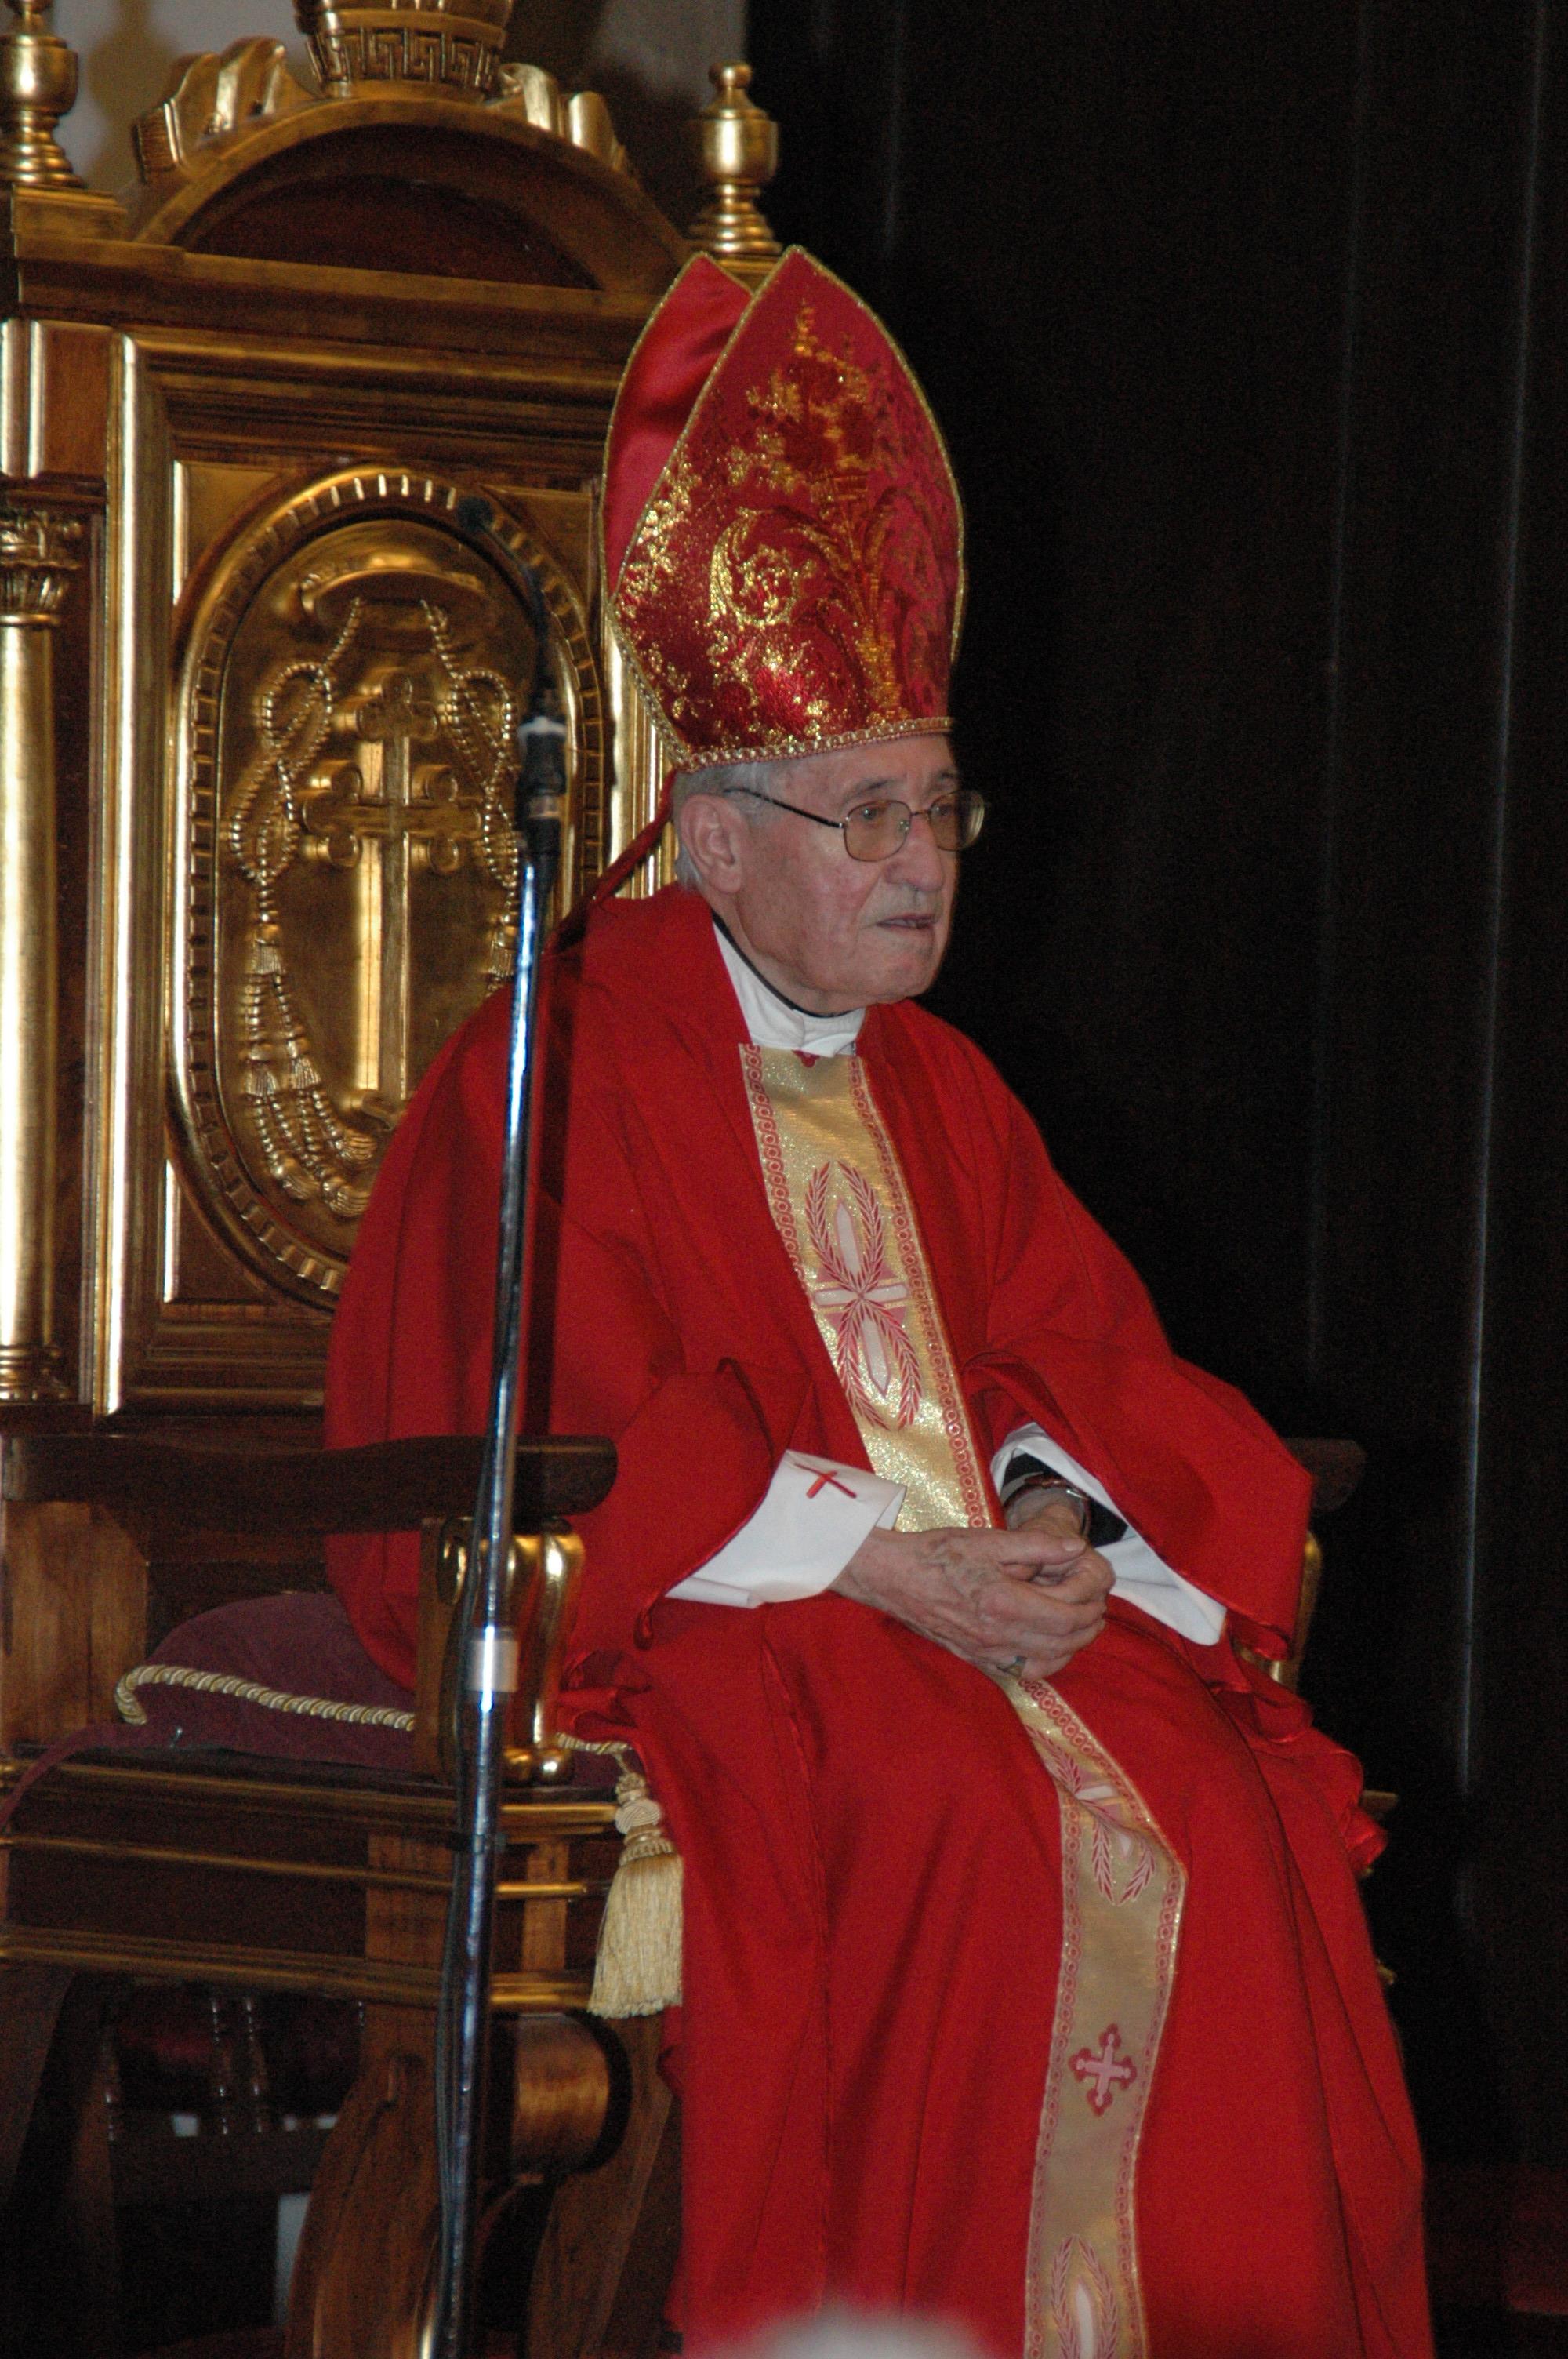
(37, 85)
(737, 150)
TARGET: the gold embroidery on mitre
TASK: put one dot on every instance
(838, 1198)
(852, 431)
(794, 573)
(1122, 1893)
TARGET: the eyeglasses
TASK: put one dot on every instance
(876, 830)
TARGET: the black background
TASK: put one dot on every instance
(1247, 328)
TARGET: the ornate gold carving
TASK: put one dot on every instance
(359, 48)
(348, 758)
(588, 126)
(209, 98)
(533, 94)
(37, 85)
(39, 553)
(736, 144)
(338, 778)
(378, 813)
(583, 118)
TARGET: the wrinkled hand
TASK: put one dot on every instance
(1037, 1593)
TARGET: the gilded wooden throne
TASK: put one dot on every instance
(277, 434)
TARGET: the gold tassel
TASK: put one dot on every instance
(638, 1968)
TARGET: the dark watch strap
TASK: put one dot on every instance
(1105, 1527)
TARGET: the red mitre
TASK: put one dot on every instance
(782, 538)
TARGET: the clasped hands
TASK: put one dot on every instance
(1024, 1601)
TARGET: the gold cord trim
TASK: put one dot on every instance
(226, 1683)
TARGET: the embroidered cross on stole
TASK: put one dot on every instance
(842, 1207)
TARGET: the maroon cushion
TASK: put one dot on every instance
(301, 1643)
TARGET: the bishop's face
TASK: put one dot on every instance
(830, 932)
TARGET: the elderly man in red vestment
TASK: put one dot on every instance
(1025, 1980)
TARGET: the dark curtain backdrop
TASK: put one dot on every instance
(1247, 328)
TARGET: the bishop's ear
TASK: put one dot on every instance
(712, 834)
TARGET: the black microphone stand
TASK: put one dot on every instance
(485, 1638)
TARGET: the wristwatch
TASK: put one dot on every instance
(1099, 1526)
(1044, 1487)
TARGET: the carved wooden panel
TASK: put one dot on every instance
(350, 693)
(306, 843)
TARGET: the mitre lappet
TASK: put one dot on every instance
(783, 535)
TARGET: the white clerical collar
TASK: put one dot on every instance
(774, 1023)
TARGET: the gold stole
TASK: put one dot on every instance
(839, 1199)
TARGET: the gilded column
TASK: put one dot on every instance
(38, 557)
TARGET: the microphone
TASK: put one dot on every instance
(542, 779)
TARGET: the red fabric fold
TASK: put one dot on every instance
(670, 364)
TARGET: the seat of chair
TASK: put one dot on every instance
(246, 1869)
(230, 1841)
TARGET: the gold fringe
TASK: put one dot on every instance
(637, 1970)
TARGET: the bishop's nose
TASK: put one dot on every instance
(918, 862)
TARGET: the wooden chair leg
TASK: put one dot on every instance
(636, 2321)
(62, 2259)
(609, 2248)
(30, 1999)
(363, 2281)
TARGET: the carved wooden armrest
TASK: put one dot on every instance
(386, 1486)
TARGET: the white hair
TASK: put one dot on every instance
(721, 778)
(850, 2334)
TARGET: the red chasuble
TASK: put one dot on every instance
(894, 2069)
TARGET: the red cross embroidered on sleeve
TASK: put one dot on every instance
(827, 1479)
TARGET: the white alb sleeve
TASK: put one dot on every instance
(814, 1516)
(1143, 1579)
